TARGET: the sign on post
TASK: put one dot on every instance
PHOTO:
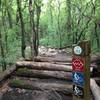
(78, 91)
(78, 78)
(81, 71)
(78, 64)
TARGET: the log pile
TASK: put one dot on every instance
(48, 73)
(48, 68)
(43, 76)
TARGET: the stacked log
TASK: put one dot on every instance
(44, 74)
(43, 66)
(41, 84)
(6, 74)
(59, 69)
(51, 59)
(95, 89)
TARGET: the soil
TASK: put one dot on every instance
(22, 94)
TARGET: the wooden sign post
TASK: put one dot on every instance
(81, 71)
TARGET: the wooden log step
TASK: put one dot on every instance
(43, 66)
(62, 63)
(51, 59)
(97, 80)
(6, 74)
(41, 84)
(43, 74)
(95, 89)
(66, 59)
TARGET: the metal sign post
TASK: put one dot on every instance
(81, 71)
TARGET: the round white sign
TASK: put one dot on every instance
(77, 50)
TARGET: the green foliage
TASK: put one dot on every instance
(13, 47)
(53, 26)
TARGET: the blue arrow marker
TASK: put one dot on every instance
(78, 78)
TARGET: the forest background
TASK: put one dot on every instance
(53, 23)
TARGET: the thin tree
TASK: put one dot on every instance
(3, 62)
(68, 4)
(22, 28)
(34, 26)
(58, 22)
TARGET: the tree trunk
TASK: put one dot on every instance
(2, 53)
(38, 12)
(58, 23)
(68, 4)
(97, 36)
(69, 15)
(10, 19)
(22, 28)
(34, 27)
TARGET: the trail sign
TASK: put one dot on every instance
(78, 64)
(77, 50)
(78, 78)
(78, 91)
(81, 71)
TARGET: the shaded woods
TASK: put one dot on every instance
(27, 24)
